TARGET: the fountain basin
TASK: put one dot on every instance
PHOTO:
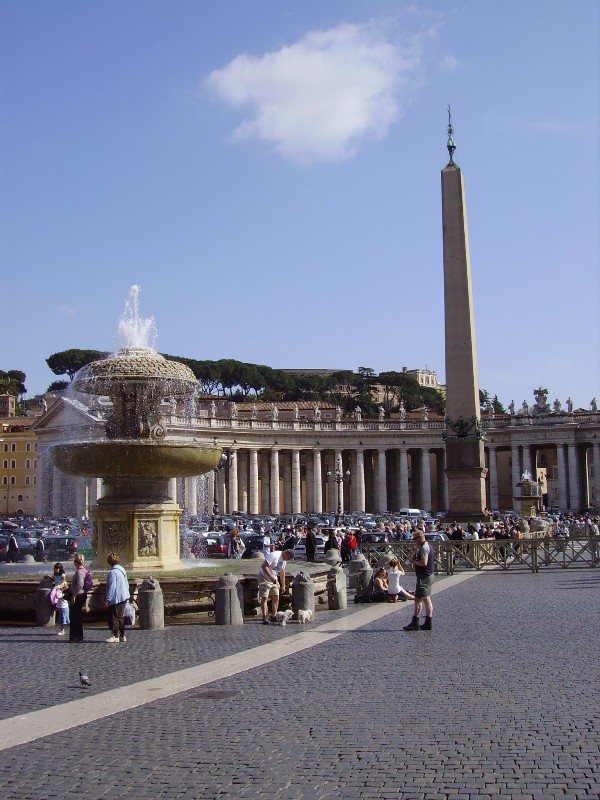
(132, 459)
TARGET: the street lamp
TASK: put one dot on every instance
(340, 478)
(219, 468)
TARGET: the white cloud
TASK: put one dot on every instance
(320, 98)
(68, 311)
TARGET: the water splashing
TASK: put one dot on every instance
(134, 331)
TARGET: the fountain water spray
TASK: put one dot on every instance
(140, 452)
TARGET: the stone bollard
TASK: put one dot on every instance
(336, 589)
(44, 610)
(150, 605)
(355, 567)
(364, 581)
(384, 557)
(303, 594)
(333, 557)
(229, 601)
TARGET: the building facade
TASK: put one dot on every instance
(284, 458)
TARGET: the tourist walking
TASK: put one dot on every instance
(115, 598)
(423, 563)
(78, 594)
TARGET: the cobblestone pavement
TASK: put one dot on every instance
(498, 701)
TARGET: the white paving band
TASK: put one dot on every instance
(26, 728)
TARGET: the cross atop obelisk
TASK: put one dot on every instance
(465, 460)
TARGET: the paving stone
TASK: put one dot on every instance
(483, 709)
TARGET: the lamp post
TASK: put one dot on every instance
(219, 468)
(339, 479)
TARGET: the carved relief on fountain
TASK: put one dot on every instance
(147, 537)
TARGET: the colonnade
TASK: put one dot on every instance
(389, 467)
(293, 480)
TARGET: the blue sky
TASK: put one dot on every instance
(269, 174)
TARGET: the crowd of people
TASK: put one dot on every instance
(70, 597)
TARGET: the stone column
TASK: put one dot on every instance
(493, 472)
(339, 485)
(516, 471)
(561, 464)
(285, 470)
(275, 508)
(233, 481)
(596, 449)
(243, 481)
(81, 498)
(310, 482)
(296, 489)
(574, 493)
(265, 484)
(173, 489)
(381, 481)
(403, 493)
(253, 480)
(425, 481)
(527, 461)
(318, 483)
(191, 495)
(359, 481)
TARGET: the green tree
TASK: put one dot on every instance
(68, 362)
(12, 382)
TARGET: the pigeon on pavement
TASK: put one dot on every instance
(84, 680)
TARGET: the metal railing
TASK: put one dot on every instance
(531, 555)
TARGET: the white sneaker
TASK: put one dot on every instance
(60, 633)
(112, 639)
(123, 639)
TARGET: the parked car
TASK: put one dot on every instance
(26, 547)
(217, 546)
(59, 548)
(300, 549)
(374, 538)
(254, 544)
(436, 537)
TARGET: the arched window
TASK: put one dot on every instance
(27, 464)
(28, 447)
(19, 498)
(5, 480)
(35, 480)
(5, 448)
(35, 463)
(5, 464)
(13, 480)
(13, 464)
(13, 448)
(27, 480)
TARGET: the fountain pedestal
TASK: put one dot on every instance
(146, 535)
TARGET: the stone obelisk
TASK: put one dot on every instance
(465, 459)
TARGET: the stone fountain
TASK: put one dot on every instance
(136, 457)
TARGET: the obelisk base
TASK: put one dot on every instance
(466, 481)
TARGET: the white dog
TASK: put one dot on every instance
(304, 616)
(282, 617)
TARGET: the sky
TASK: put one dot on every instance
(269, 174)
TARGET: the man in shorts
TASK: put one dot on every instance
(271, 573)
(423, 562)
